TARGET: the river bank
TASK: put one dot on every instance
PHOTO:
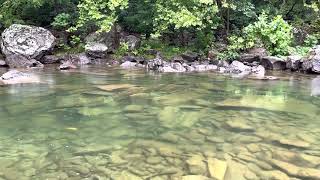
(33, 47)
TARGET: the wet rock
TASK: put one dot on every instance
(253, 148)
(17, 77)
(133, 109)
(273, 63)
(294, 143)
(77, 59)
(217, 168)
(156, 63)
(300, 159)
(194, 177)
(196, 165)
(258, 71)
(171, 68)
(203, 67)
(294, 63)
(112, 87)
(312, 63)
(239, 125)
(28, 41)
(128, 64)
(292, 170)
(237, 67)
(96, 50)
(93, 150)
(274, 174)
(215, 139)
(67, 65)
(51, 59)
(154, 160)
(19, 61)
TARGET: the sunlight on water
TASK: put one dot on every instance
(118, 124)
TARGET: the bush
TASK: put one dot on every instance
(275, 35)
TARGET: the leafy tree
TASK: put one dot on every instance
(99, 13)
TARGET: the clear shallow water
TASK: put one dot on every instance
(102, 123)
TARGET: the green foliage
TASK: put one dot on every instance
(139, 16)
(303, 50)
(62, 21)
(122, 50)
(275, 35)
(98, 13)
(178, 14)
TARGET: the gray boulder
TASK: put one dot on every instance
(17, 77)
(237, 67)
(20, 61)
(294, 63)
(156, 63)
(273, 63)
(25, 41)
(99, 44)
(96, 50)
(203, 67)
(312, 63)
(258, 71)
(132, 41)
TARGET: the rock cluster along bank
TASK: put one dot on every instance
(28, 46)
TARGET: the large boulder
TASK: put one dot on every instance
(25, 41)
(273, 63)
(132, 41)
(237, 67)
(312, 63)
(17, 77)
(19, 61)
(99, 44)
(294, 63)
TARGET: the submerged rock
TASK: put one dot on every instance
(196, 165)
(296, 171)
(239, 125)
(25, 41)
(17, 77)
(217, 168)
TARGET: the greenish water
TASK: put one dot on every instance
(103, 123)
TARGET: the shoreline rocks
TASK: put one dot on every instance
(24, 45)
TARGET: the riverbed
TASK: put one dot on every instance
(110, 123)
